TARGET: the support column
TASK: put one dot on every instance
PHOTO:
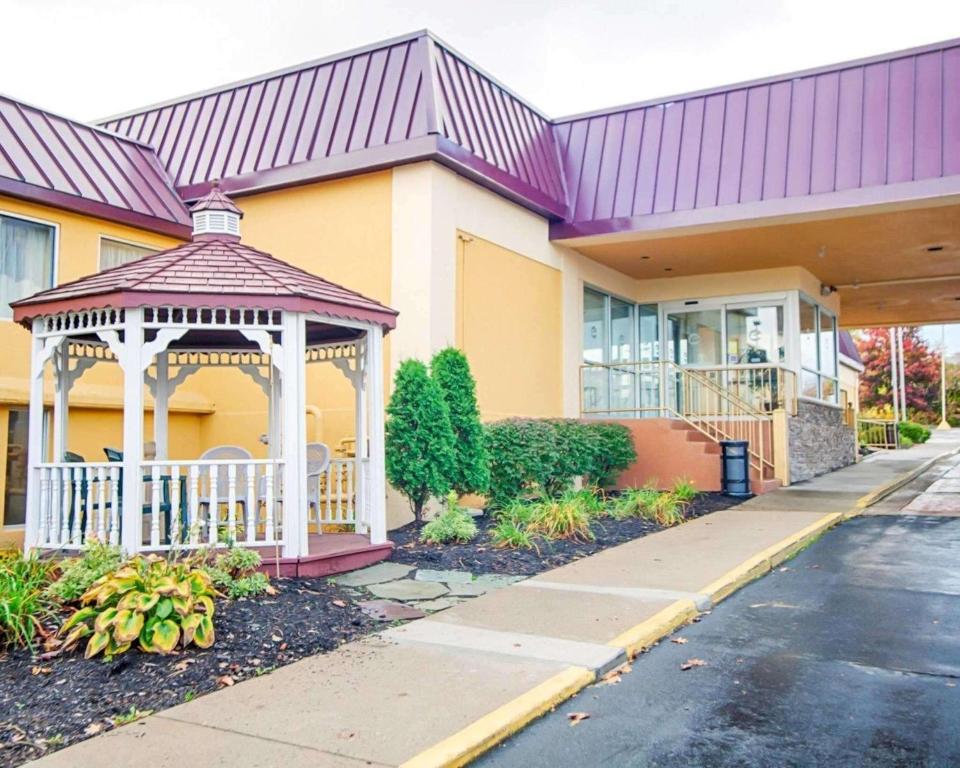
(161, 407)
(35, 447)
(294, 439)
(133, 369)
(61, 404)
(377, 481)
(362, 453)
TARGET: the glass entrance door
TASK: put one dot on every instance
(695, 337)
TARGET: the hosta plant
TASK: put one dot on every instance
(149, 601)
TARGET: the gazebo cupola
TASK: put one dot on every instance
(213, 302)
(216, 215)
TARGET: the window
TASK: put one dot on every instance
(818, 353)
(113, 253)
(26, 260)
(755, 335)
(15, 491)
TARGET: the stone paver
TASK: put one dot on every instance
(375, 574)
(408, 589)
(473, 589)
(440, 604)
(945, 485)
(944, 503)
(390, 610)
(447, 577)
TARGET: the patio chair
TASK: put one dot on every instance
(227, 453)
(318, 460)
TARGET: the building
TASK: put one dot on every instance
(683, 264)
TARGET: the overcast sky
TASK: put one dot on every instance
(93, 58)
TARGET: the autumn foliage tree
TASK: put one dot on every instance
(921, 366)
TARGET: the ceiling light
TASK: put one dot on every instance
(934, 248)
(822, 252)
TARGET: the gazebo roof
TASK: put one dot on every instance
(213, 270)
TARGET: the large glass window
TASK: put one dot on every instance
(26, 260)
(113, 253)
(818, 352)
(755, 335)
(696, 337)
(15, 490)
(594, 346)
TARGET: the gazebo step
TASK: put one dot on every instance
(330, 553)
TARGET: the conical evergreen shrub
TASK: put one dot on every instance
(420, 444)
(450, 369)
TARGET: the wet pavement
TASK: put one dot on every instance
(849, 655)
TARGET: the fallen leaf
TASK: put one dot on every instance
(41, 670)
(339, 603)
(679, 640)
(576, 718)
(181, 666)
(691, 663)
(276, 638)
(93, 729)
(225, 681)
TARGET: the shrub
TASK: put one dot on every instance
(905, 442)
(523, 458)
(420, 454)
(915, 433)
(613, 452)
(149, 600)
(24, 600)
(635, 502)
(450, 369)
(510, 534)
(568, 517)
(575, 454)
(235, 573)
(668, 510)
(685, 491)
(78, 574)
(452, 525)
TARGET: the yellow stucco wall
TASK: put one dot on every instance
(509, 313)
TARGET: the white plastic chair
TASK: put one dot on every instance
(221, 473)
(318, 460)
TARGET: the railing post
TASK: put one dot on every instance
(781, 446)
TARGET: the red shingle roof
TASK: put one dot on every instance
(211, 271)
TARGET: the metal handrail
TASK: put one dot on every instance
(878, 434)
(714, 412)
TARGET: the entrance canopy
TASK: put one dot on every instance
(212, 302)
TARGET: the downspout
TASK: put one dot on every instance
(312, 410)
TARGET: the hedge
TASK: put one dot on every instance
(546, 455)
(915, 433)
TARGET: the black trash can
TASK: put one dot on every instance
(735, 468)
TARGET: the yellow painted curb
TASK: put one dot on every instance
(471, 742)
(868, 500)
(754, 567)
(661, 624)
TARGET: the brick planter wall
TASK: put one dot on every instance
(819, 441)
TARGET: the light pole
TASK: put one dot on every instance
(944, 424)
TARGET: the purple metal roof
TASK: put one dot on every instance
(408, 99)
(848, 347)
(875, 122)
(49, 159)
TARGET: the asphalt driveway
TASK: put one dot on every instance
(849, 655)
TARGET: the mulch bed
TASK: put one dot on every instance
(480, 556)
(46, 705)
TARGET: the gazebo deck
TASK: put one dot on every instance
(329, 554)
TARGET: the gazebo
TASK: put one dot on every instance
(212, 302)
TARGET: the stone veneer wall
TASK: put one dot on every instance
(819, 441)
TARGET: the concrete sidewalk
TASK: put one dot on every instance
(441, 690)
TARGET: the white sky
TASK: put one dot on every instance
(92, 58)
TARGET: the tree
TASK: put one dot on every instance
(921, 371)
(450, 369)
(420, 455)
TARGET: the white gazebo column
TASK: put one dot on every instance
(294, 436)
(161, 407)
(377, 483)
(35, 446)
(361, 450)
(61, 404)
(131, 360)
